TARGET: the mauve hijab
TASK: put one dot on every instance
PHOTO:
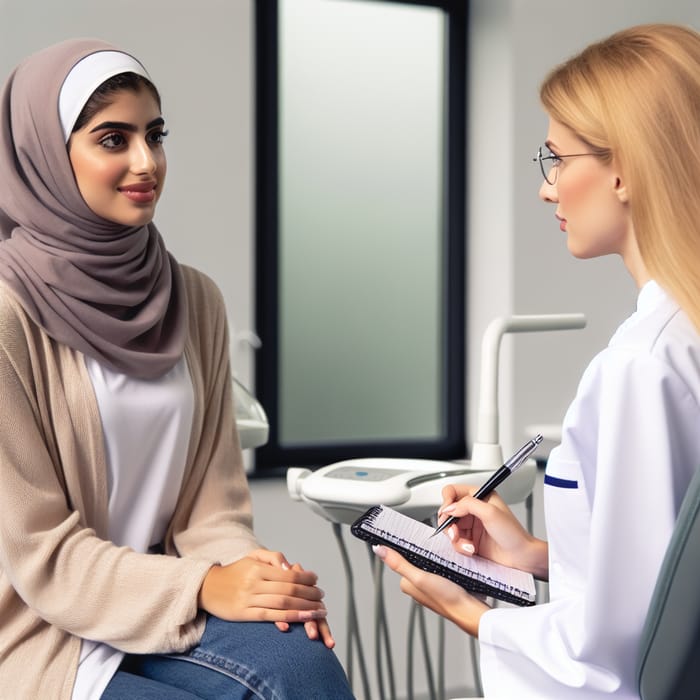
(111, 292)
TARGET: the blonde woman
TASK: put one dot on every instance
(621, 168)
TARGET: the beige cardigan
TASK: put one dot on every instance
(60, 580)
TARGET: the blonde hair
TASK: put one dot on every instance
(635, 97)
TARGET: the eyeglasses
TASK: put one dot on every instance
(550, 162)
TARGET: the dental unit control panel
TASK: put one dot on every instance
(341, 492)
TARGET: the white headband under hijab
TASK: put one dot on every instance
(85, 77)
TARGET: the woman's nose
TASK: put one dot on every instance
(548, 193)
(142, 160)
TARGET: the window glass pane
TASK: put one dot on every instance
(361, 229)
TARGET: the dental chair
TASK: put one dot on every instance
(669, 654)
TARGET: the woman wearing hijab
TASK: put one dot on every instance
(127, 556)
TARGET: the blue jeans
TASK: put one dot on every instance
(235, 661)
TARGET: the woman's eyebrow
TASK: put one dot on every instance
(126, 126)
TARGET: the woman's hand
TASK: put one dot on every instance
(263, 586)
(490, 529)
(435, 592)
(315, 629)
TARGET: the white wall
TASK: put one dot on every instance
(200, 55)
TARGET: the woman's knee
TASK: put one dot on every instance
(284, 659)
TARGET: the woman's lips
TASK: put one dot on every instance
(141, 192)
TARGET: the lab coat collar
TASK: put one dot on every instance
(651, 296)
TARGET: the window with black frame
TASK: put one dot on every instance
(360, 253)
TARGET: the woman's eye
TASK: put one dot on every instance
(158, 136)
(112, 141)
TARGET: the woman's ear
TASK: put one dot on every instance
(620, 189)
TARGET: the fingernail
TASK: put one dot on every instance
(468, 548)
(313, 614)
(448, 509)
(285, 566)
(451, 533)
(379, 550)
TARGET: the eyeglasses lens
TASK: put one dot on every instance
(547, 163)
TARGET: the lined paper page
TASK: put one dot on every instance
(415, 536)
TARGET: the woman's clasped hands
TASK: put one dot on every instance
(264, 586)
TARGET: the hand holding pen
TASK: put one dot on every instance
(509, 467)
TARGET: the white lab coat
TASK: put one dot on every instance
(613, 488)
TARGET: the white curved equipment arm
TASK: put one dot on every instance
(486, 450)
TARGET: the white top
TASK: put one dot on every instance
(147, 425)
(613, 489)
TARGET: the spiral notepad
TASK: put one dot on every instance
(383, 525)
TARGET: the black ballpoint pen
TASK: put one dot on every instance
(498, 476)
